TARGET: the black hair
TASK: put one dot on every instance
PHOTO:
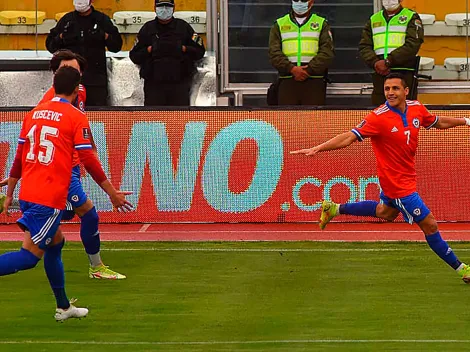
(66, 80)
(66, 55)
(397, 75)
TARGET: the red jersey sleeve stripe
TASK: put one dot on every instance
(83, 146)
(21, 140)
(431, 125)
(358, 134)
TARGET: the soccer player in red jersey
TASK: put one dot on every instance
(393, 129)
(77, 200)
(49, 136)
(63, 58)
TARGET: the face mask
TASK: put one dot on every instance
(299, 7)
(82, 5)
(391, 5)
(164, 13)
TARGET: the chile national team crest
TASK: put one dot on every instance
(416, 122)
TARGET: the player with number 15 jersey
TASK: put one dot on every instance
(50, 133)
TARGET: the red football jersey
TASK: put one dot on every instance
(51, 133)
(78, 103)
(394, 138)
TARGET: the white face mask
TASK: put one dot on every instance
(391, 5)
(164, 13)
(82, 5)
(299, 7)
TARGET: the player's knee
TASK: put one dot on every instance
(385, 213)
(28, 260)
(91, 216)
(429, 225)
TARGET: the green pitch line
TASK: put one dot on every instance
(264, 296)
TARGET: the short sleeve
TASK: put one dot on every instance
(428, 120)
(368, 127)
(82, 132)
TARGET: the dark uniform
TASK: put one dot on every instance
(402, 59)
(311, 91)
(167, 70)
(85, 35)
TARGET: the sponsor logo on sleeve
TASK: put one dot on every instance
(86, 133)
(363, 122)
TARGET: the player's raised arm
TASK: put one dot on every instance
(340, 141)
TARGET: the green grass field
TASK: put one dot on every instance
(245, 297)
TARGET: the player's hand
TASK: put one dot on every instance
(6, 205)
(4, 182)
(120, 202)
(308, 152)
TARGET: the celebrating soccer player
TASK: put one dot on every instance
(49, 136)
(77, 200)
(393, 129)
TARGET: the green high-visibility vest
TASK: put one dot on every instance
(300, 44)
(389, 36)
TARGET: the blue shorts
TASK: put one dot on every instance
(42, 222)
(77, 196)
(412, 207)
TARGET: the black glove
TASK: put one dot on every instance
(96, 33)
(71, 33)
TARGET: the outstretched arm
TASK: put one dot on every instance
(340, 141)
(93, 167)
(444, 123)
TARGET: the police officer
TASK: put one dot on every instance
(390, 42)
(88, 32)
(166, 50)
(301, 49)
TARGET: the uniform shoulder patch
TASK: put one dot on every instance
(197, 39)
(86, 133)
(361, 124)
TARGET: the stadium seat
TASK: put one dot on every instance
(456, 19)
(126, 18)
(456, 64)
(426, 64)
(21, 18)
(427, 19)
(59, 15)
(197, 19)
